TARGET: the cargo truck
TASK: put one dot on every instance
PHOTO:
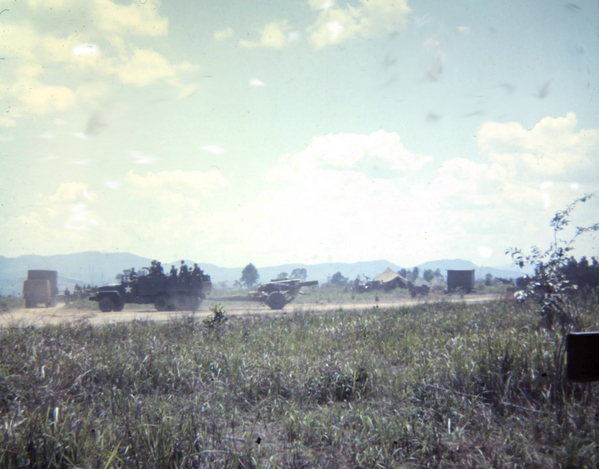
(41, 286)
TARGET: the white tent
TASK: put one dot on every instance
(389, 276)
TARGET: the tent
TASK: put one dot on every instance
(391, 279)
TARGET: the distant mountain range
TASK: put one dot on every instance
(98, 268)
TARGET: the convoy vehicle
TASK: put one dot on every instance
(167, 293)
(41, 286)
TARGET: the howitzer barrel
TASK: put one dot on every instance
(309, 283)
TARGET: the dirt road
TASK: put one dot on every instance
(63, 314)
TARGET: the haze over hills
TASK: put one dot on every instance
(98, 268)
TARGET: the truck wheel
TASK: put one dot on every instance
(182, 302)
(161, 303)
(276, 300)
(119, 307)
(30, 304)
(106, 304)
(195, 303)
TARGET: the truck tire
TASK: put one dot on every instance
(161, 303)
(30, 303)
(106, 304)
(195, 303)
(276, 300)
(182, 302)
(119, 306)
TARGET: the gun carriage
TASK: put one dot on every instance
(276, 293)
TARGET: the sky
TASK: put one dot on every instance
(298, 131)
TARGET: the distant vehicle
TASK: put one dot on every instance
(460, 280)
(166, 293)
(416, 290)
(41, 286)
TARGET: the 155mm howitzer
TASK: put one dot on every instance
(276, 293)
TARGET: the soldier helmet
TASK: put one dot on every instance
(195, 265)
(182, 262)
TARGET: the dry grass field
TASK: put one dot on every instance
(428, 385)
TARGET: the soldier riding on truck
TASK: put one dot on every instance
(166, 293)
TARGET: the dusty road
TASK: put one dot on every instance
(63, 314)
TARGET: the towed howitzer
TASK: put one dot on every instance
(276, 293)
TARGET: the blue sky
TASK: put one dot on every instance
(236, 132)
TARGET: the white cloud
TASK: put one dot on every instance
(349, 151)
(546, 184)
(174, 186)
(321, 4)
(257, 82)
(334, 26)
(324, 200)
(68, 206)
(72, 191)
(103, 47)
(552, 147)
(145, 67)
(293, 36)
(373, 17)
(85, 49)
(137, 18)
(94, 94)
(328, 200)
(216, 149)
(114, 185)
(18, 41)
(139, 158)
(7, 122)
(41, 99)
(273, 35)
(59, 221)
(224, 34)
(48, 158)
(47, 4)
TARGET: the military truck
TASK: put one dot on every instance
(181, 293)
(41, 286)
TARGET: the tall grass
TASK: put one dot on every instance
(450, 385)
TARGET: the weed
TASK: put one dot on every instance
(438, 384)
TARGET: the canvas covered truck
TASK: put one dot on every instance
(41, 286)
(167, 293)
